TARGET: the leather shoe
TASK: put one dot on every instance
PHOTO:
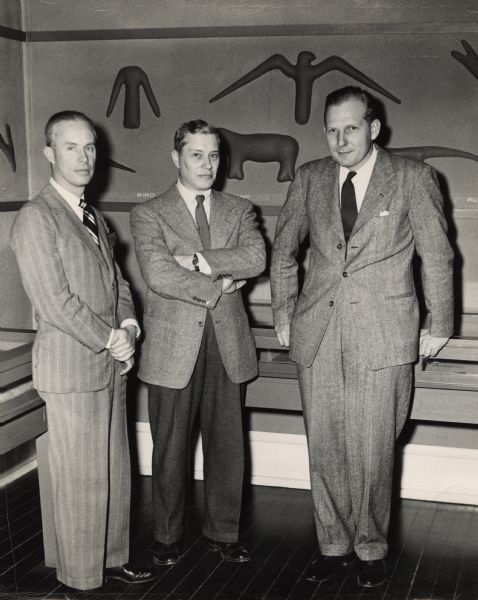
(372, 573)
(326, 567)
(165, 554)
(229, 551)
(129, 574)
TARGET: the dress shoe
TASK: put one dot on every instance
(326, 567)
(372, 573)
(165, 554)
(229, 551)
(129, 574)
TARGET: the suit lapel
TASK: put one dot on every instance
(222, 220)
(70, 219)
(327, 204)
(381, 184)
(176, 214)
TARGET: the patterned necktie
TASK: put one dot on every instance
(201, 222)
(348, 205)
(89, 220)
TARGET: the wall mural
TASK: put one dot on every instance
(304, 75)
(260, 147)
(469, 60)
(8, 149)
(133, 78)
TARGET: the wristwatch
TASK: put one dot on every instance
(196, 262)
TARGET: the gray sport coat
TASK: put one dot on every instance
(401, 214)
(177, 299)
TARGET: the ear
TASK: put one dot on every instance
(49, 154)
(175, 157)
(375, 129)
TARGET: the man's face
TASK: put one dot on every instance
(72, 155)
(349, 136)
(197, 161)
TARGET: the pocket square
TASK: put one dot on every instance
(384, 213)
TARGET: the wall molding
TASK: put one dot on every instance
(17, 471)
(433, 473)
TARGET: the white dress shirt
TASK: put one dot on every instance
(73, 202)
(189, 198)
(361, 180)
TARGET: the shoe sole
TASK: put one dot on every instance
(129, 581)
(371, 585)
(170, 562)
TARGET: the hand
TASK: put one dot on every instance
(128, 365)
(283, 334)
(236, 285)
(185, 260)
(429, 344)
(123, 343)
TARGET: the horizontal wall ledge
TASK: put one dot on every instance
(246, 31)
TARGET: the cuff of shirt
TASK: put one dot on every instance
(203, 264)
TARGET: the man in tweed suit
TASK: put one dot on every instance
(86, 331)
(196, 247)
(353, 328)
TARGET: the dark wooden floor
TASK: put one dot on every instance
(433, 554)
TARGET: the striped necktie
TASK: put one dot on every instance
(89, 220)
(201, 222)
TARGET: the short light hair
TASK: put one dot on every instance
(352, 92)
(195, 126)
(65, 115)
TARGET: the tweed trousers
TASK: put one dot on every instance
(352, 418)
(172, 414)
(90, 474)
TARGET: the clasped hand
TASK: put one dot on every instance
(123, 345)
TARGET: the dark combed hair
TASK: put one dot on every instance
(352, 92)
(65, 115)
(196, 126)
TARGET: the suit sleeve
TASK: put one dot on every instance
(159, 269)
(430, 233)
(292, 227)
(247, 259)
(33, 241)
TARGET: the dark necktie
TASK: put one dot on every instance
(201, 222)
(348, 205)
(89, 220)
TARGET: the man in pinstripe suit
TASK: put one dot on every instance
(86, 331)
(353, 328)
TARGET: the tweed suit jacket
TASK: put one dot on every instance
(77, 292)
(401, 214)
(177, 299)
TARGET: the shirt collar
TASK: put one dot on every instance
(188, 194)
(72, 199)
(365, 171)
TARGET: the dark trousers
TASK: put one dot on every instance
(172, 414)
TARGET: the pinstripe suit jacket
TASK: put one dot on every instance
(77, 292)
(401, 213)
(177, 300)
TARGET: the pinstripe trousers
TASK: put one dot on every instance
(352, 417)
(90, 473)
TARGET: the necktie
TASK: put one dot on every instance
(348, 205)
(89, 220)
(201, 222)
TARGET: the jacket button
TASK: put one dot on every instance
(339, 246)
(331, 303)
(201, 323)
(345, 274)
